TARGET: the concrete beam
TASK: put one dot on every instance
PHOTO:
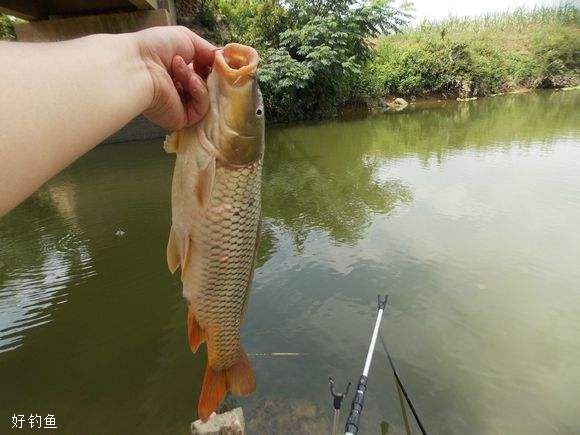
(169, 5)
(61, 29)
(42, 9)
(144, 4)
(31, 10)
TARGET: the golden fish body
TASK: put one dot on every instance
(223, 242)
(216, 218)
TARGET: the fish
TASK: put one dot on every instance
(215, 220)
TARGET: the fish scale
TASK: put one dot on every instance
(228, 228)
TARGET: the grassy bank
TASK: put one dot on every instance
(479, 56)
(319, 56)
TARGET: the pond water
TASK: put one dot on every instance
(465, 214)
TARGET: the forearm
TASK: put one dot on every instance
(59, 100)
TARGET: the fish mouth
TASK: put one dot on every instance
(236, 63)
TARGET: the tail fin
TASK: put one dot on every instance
(238, 379)
(212, 392)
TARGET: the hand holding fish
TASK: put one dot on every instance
(178, 61)
(61, 99)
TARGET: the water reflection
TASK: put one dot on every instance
(465, 214)
(41, 256)
(304, 190)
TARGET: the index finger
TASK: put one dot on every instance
(167, 42)
(204, 54)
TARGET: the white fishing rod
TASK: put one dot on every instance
(356, 407)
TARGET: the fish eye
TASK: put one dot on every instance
(259, 112)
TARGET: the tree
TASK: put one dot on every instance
(312, 50)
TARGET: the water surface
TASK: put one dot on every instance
(466, 214)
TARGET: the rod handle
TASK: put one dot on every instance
(357, 406)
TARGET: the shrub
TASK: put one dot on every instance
(312, 50)
(481, 56)
(6, 28)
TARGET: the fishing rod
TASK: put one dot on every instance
(401, 387)
(356, 407)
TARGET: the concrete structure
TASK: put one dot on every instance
(58, 20)
(228, 423)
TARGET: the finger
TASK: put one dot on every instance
(169, 110)
(198, 51)
(204, 52)
(195, 95)
(167, 42)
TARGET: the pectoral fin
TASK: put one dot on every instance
(173, 257)
(171, 144)
(205, 180)
(178, 252)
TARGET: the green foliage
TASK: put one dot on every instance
(6, 28)
(480, 56)
(255, 22)
(318, 55)
(558, 51)
(312, 50)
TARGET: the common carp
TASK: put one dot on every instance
(215, 230)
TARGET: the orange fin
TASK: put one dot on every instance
(205, 181)
(173, 258)
(194, 332)
(213, 392)
(240, 377)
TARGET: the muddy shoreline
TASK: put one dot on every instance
(388, 103)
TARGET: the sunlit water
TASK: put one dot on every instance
(466, 215)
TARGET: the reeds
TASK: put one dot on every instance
(519, 19)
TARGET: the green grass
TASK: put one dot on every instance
(479, 56)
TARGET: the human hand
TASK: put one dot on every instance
(178, 61)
